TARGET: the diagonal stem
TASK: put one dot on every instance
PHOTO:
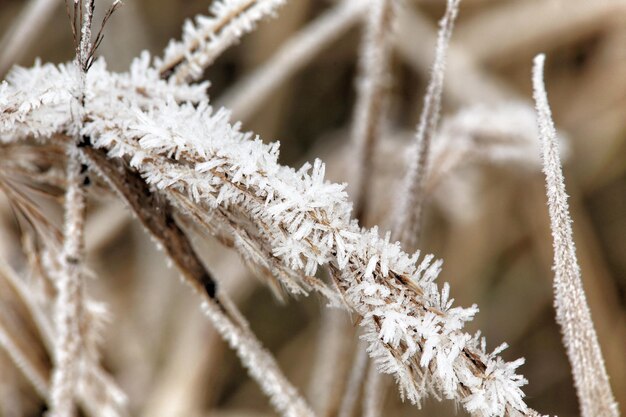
(157, 216)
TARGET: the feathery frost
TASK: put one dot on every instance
(572, 311)
(294, 218)
(40, 107)
(276, 216)
(207, 37)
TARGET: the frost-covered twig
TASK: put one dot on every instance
(199, 161)
(372, 90)
(249, 93)
(69, 299)
(572, 311)
(68, 312)
(72, 337)
(306, 222)
(409, 213)
(260, 364)
(204, 40)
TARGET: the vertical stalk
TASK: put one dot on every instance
(69, 304)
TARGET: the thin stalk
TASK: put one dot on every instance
(407, 227)
(372, 96)
(572, 311)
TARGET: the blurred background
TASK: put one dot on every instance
(489, 221)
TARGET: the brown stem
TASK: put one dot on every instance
(157, 217)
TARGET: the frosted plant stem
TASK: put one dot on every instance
(253, 90)
(21, 35)
(69, 297)
(371, 102)
(83, 52)
(259, 362)
(69, 303)
(572, 311)
(157, 218)
(288, 222)
(409, 213)
(185, 60)
(397, 275)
